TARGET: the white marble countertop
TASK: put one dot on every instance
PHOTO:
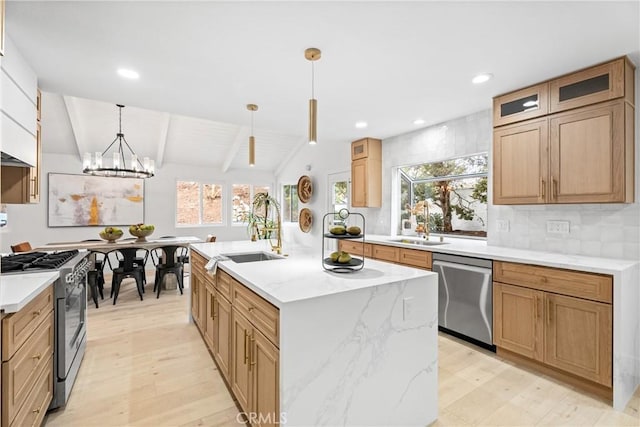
(300, 276)
(480, 249)
(17, 290)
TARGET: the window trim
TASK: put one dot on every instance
(397, 178)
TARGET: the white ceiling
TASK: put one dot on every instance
(387, 63)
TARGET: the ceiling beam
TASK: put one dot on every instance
(76, 124)
(303, 141)
(241, 136)
(162, 140)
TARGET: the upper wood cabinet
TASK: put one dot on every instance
(596, 84)
(589, 155)
(366, 173)
(520, 105)
(584, 153)
(520, 163)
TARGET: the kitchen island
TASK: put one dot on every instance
(357, 348)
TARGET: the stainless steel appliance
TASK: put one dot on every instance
(465, 298)
(70, 310)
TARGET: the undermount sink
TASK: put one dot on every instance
(419, 242)
(252, 257)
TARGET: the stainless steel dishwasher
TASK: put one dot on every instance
(465, 297)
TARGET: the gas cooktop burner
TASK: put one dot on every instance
(33, 261)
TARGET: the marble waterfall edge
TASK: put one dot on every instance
(364, 357)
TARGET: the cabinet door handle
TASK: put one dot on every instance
(548, 311)
(37, 356)
(252, 350)
(554, 183)
(535, 299)
(36, 411)
(213, 306)
(37, 312)
(542, 188)
(246, 343)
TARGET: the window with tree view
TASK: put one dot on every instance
(290, 203)
(451, 195)
(198, 203)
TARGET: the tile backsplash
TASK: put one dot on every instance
(600, 230)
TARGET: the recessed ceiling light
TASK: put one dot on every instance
(481, 78)
(128, 74)
(361, 125)
(418, 122)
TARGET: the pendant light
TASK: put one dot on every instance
(312, 54)
(93, 165)
(252, 139)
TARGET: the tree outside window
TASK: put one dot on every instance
(198, 203)
(290, 203)
(455, 191)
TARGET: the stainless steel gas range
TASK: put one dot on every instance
(70, 310)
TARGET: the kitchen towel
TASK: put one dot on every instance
(212, 265)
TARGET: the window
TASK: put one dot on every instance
(453, 192)
(242, 197)
(338, 194)
(198, 203)
(290, 203)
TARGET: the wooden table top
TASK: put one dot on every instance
(118, 244)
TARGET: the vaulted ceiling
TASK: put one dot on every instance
(387, 63)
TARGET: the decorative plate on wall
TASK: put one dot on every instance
(305, 189)
(305, 219)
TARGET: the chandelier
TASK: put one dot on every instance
(93, 164)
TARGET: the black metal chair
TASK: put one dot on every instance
(127, 268)
(172, 264)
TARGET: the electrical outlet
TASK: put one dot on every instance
(502, 225)
(558, 227)
(407, 308)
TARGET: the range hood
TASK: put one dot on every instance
(9, 160)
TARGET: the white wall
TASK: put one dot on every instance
(29, 222)
(455, 138)
(323, 159)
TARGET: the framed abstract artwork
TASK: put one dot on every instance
(85, 200)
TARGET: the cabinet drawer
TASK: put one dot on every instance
(197, 261)
(17, 327)
(21, 372)
(386, 253)
(595, 84)
(35, 406)
(355, 247)
(590, 286)
(521, 105)
(223, 284)
(416, 258)
(264, 316)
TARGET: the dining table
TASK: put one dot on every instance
(102, 245)
(127, 247)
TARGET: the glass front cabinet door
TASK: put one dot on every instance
(523, 104)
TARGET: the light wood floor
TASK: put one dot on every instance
(145, 365)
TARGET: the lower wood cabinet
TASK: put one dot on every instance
(570, 334)
(578, 337)
(221, 332)
(27, 362)
(517, 320)
(411, 257)
(241, 330)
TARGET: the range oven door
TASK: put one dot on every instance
(72, 326)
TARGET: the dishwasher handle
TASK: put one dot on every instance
(481, 270)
